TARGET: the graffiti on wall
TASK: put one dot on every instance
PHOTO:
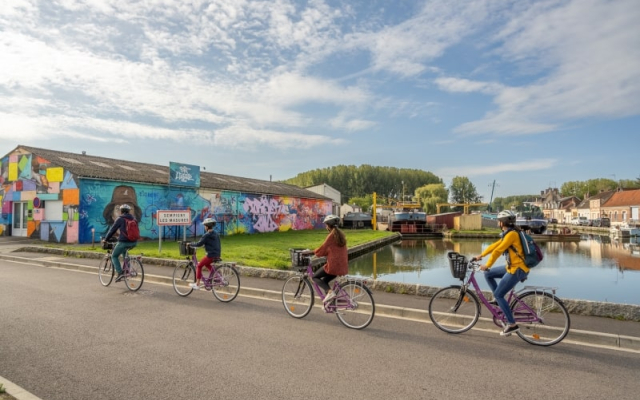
(47, 202)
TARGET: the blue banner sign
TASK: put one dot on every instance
(184, 175)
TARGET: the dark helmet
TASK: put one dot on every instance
(331, 220)
(507, 217)
(209, 222)
(125, 208)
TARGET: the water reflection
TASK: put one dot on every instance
(596, 268)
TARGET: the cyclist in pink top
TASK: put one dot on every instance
(335, 249)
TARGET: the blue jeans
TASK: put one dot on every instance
(119, 250)
(507, 282)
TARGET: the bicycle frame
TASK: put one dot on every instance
(342, 299)
(207, 280)
(521, 313)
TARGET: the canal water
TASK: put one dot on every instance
(596, 268)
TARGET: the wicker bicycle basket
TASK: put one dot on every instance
(299, 261)
(186, 251)
(458, 265)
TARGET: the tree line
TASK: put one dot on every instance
(392, 185)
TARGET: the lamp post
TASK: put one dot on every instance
(403, 192)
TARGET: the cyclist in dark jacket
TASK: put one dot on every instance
(124, 243)
(211, 242)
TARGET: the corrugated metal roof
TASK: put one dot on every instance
(88, 166)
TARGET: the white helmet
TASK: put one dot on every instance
(209, 222)
(507, 217)
(331, 220)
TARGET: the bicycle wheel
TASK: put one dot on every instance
(357, 309)
(551, 322)
(135, 276)
(297, 296)
(183, 275)
(226, 283)
(105, 271)
(452, 311)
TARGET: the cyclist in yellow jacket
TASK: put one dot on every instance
(510, 274)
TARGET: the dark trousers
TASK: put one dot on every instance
(323, 279)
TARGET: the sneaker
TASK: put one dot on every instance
(120, 277)
(509, 329)
(494, 302)
(194, 286)
(330, 296)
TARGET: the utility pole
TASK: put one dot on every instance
(493, 186)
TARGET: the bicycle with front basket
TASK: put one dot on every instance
(353, 304)
(131, 267)
(542, 317)
(223, 280)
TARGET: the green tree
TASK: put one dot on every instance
(462, 191)
(430, 195)
(352, 181)
(363, 202)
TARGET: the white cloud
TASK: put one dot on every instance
(591, 50)
(404, 48)
(351, 125)
(254, 139)
(480, 170)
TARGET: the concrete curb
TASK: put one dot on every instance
(16, 391)
(620, 342)
(627, 312)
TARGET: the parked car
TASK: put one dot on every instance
(596, 222)
(553, 221)
(581, 221)
(605, 222)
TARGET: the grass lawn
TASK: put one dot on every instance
(266, 250)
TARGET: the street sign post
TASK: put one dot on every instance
(171, 218)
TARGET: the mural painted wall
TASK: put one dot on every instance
(30, 188)
(236, 213)
(46, 202)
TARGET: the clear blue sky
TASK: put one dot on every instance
(530, 94)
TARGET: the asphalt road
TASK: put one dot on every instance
(64, 336)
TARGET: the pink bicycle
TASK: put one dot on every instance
(353, 304)
(542, 317)
(223, 280)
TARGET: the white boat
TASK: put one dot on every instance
(624, 230)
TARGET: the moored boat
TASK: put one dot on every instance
(534, 225)
(408, 219)
(624, 230)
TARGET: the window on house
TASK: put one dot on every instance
(624, 216)
(53, 210)
(615, 216)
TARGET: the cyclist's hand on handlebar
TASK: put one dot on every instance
(476, 258)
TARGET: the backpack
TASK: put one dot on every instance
(132, 232)
(532, 253)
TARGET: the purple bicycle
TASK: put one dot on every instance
(353, 304)
(542, 317)
(223, 280)
(131, 267)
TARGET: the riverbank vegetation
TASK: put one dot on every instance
(266, 250)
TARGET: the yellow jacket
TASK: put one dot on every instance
(512, 238)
